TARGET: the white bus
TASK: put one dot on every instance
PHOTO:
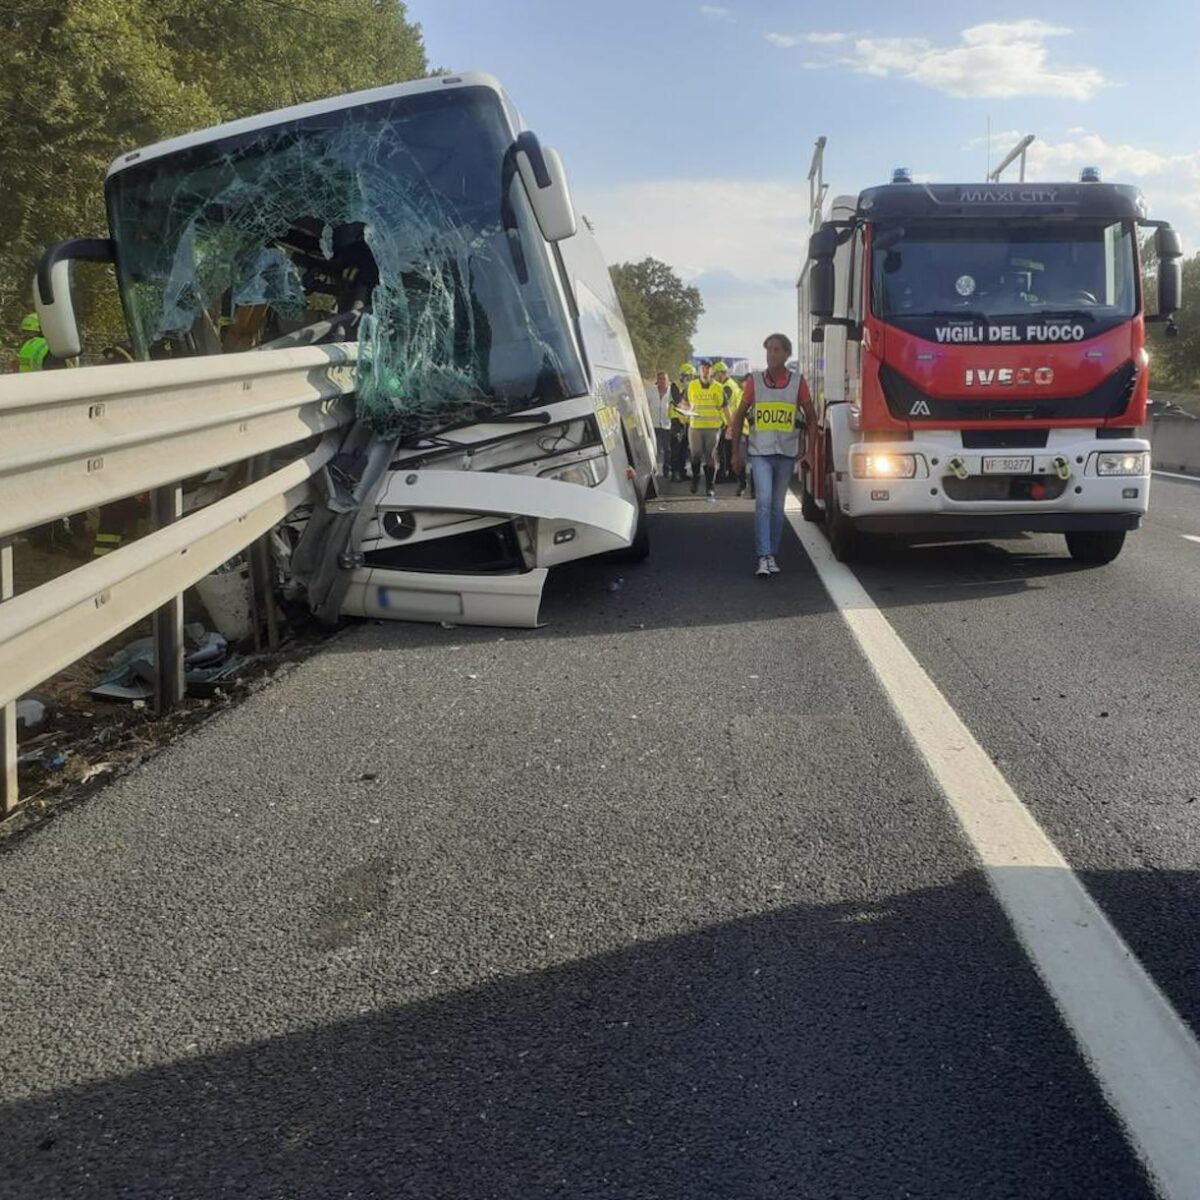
(502, 423)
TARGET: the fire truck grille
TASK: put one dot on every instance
(907, 402)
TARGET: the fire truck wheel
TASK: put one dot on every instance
(1096, 548)
(808, 504)
(844, 539)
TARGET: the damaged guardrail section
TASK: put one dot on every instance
(71, 440)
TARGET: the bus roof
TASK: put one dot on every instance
(296, 112)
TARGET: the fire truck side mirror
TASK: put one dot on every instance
(820, 288)
(823, 244)
(1169, 250)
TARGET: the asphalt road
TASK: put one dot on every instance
(657, 901)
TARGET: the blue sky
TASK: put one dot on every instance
(687, 128)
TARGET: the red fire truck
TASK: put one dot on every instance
(976, 358)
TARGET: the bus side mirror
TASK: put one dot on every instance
(1169, 250)
(52, 296)
(545, 183)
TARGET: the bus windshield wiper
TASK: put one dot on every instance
(538, 418)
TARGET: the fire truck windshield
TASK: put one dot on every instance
(981, 271)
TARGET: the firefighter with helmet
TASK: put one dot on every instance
(733, 397)
(678, 412)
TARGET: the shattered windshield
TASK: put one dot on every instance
(1085, 272)
(385, 223)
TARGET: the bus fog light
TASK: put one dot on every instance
(879, 495)
(398, 524)
(1121, 464)
(883, 466)
(564, 535)
(1129, 493)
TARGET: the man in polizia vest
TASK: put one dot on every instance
(706, 424)
(679, 424)
(34, 347)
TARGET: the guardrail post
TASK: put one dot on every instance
(8, 712)
(262, 590)
(166, 506)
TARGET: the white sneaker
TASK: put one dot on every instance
(772, 565)
(764, 567)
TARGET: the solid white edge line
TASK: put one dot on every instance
(1176, 475)
(1145, 1058)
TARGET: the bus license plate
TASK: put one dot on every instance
(1008, 466)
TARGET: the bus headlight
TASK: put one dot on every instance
(588, 473)
(883, 466)
(1122, 463)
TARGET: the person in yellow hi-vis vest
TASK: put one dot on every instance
(679, 422)
(34, 348)
(733, 397)
(706, 424)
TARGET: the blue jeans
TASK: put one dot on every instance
(772, 474)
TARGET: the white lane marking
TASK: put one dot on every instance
(1191, 537)
(1176, 475)
(1144, 1056)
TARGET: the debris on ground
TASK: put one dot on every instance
(207, 661)
(32, 713)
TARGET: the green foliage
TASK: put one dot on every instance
(1175, 361)
(661, 312)
(82, 81)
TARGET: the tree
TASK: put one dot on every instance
(82, 81)
(660, 310)
(1175, 361)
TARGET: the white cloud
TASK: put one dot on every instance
(999, 31)
(787, 40)
(716, 12)
(1114, 159)
(1169, 179)
(1001, 139)
(739, 241)
(994, 60)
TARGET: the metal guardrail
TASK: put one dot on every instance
(72, 440)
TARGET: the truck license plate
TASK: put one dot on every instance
(1008, 466)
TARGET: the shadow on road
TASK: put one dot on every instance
(898, 1049)
(902, 573)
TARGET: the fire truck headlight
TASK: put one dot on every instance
(1122, 464)
(883, 466)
